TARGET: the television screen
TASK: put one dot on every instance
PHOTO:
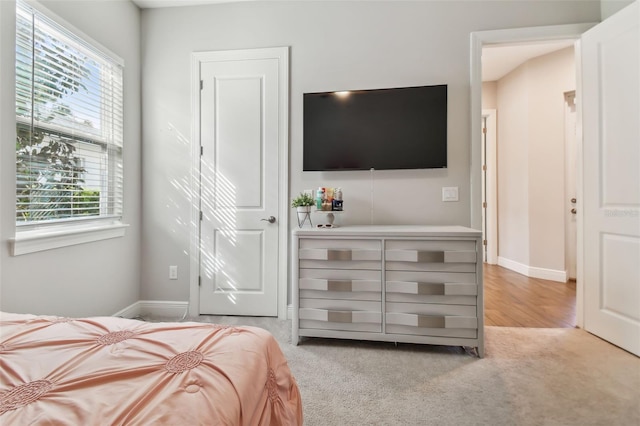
(401, 128)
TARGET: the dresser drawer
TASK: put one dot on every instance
(453, 256)
(341, 305)
(340, 274)
(432, 325)
(432, 277)
(421, 292)
(431, 245)
(351, 289)
(430, 267)
(340, 320)
(340, 315)
(431, 320)
(431, 309)
(340, 254)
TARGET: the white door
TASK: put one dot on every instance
(489, 190)
(240, 130)
(570, 202)
(611, 179)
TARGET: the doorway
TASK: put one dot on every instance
(511, 37)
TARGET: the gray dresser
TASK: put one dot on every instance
(414, 284)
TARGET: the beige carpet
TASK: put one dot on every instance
(528, 377)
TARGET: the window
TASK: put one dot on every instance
(69, 127)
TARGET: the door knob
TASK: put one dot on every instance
(573, 200)
(270, 219)
(573, 211)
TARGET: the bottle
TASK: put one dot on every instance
(337, 194)
(319, 198)
(336, 204)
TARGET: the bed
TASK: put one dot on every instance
(117, 371)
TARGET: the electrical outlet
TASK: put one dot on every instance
(173, 272)
(309, 192)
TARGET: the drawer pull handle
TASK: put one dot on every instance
(339, 254)
(340, 316)
(418, 256)
(431, 322)
(430, 257)
(430, 289)
(339, 285)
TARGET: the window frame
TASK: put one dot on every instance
(46, 235)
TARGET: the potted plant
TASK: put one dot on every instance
(302, 204)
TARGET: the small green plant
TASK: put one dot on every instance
(302, 200)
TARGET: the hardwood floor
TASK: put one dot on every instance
(514, 300)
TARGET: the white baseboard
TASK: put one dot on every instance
(130, 311)
(532, 271)
(160, 308)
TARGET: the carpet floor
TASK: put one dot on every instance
(529, 376)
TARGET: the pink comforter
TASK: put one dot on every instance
(115, 371)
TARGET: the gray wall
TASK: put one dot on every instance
(610, 7)
(90, 279)
(334, 46)
(531, 165)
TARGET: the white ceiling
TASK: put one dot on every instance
(497, 60)
(500, 59)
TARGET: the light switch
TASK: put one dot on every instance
(450, 193)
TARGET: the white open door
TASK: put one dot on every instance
(243, 112)
(611, 179)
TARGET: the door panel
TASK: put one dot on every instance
(240, 131)
(239, 144)
(611, 179)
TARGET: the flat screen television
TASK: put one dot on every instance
(400, 128)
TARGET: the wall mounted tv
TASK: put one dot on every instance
(400, 128)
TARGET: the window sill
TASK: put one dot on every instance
(39, 240)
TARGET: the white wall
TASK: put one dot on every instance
(334, 46)
(490, 95)
(513, 166)
(531, 161)
(90, 279)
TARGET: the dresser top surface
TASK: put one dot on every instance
(391, 231)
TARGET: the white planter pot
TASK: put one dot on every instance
(304, 214)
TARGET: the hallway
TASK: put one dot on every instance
(514, 300)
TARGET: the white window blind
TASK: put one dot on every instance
(69, 125)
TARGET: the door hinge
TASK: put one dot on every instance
(201, 84)
(484, 130)
(201, 150)
(484, 242)
(484, 205)
(484, 167)
(199, 281)
(200, 214)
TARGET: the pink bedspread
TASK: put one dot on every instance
(115, 371)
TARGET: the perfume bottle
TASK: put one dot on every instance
(319, 198)
(336, 204)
